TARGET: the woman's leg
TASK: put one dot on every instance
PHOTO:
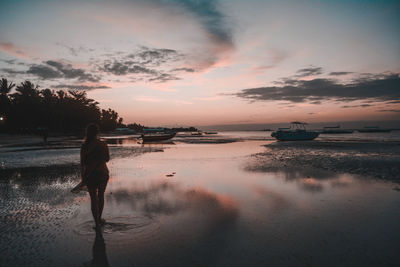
(94, 201)
(102, 189)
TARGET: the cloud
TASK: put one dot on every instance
(216, 30)
(124, 68)
(309, 71)
(54, 69)
(12, 72)
(393, 102)
(210, 98)
(9, 61)
(183, 102)
(340, 73)
(75, 51)
(184, 69)
(210, 17)
(13, 62)
(276, 56)
(389, 110)
(357, 106)
(146, 64)
(148, 99)
(68, 72)
(81, 87)
(11, 49)
(154, 57)
(44, 72)
(381, 87)
(163, 77)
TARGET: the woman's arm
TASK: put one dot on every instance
(81, 161)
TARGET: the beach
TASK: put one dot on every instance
(231, 199)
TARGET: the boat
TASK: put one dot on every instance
(211, 132)
(296, 132)
(335, 130)
(154, 137)
(373, 129)
(197, 133)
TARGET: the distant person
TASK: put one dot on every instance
(94, 155)
(45, 137)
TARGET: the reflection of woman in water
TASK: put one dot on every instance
(94, 155)
(99, 251)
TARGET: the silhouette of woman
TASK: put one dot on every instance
(94, 155)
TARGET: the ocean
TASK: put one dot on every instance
(231, 199)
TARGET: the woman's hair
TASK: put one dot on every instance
(91, 132)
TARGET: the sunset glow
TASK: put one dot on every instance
(175, 62)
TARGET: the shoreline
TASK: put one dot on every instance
(379, 159)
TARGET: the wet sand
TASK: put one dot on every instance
(376, 160)
(203, 204)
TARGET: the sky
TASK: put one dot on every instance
(193, 63)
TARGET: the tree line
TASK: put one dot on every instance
(28, 109)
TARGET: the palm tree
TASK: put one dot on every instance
(26, 101)
(27, 89)
(28, 108)
(5, 87)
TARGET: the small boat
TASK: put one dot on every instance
(211, 132)
(335, 130)
(296, 132)
(197, 133)
(157, 137)
(373, 129)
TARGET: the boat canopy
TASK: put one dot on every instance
(153, 130)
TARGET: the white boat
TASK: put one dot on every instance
(297, 131)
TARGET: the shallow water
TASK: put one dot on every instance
(199, 205)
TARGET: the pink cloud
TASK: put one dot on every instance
(12, 49)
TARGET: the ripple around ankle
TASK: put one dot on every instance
(123, 228)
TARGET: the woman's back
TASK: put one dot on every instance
(94, 156)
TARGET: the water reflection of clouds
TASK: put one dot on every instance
(276, 201)
(342, 182)
(166, 198)
(308, 179)
(311, 184)
(181, 220)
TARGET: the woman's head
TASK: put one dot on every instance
(91, 132)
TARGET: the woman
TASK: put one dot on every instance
(94, 155)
